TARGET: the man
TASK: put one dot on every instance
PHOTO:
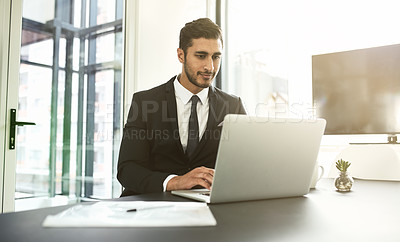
(170, 140)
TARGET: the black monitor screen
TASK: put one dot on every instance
(358, 91)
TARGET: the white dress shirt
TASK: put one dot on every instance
(183, 106)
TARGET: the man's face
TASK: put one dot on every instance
(202, 61)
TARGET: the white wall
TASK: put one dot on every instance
(158, 37)
(152, 38)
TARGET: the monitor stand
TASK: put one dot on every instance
(392, 139)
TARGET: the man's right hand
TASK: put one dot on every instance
(202, 176)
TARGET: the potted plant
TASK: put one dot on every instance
(344, 182)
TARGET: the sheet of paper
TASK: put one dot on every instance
(148, 214)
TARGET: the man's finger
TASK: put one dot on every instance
(207, 177)
(204, 183)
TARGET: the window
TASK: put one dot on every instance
(71, 58)
(269, 45)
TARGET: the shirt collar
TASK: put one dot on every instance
(185, 95)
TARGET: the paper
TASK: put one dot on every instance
(148, 214)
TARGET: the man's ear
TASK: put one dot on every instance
(181, 55)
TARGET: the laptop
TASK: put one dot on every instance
(262, 158)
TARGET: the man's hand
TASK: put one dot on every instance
(202, 176)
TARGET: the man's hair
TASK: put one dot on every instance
(200, 28)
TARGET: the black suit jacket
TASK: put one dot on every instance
(151, 149)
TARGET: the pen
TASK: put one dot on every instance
(147, 208)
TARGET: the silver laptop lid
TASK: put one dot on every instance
(261, 158)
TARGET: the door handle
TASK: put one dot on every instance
(13, 123)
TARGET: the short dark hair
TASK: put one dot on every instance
(200, 28)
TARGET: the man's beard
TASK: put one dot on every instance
(192, 77)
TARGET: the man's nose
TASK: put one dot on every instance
(209, 65)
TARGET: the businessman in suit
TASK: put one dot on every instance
(171, 136)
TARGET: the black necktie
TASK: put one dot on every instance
(193, 133)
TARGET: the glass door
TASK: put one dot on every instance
(70, 86)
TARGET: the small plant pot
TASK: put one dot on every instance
(344, 182)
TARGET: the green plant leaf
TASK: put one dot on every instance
(342, 165)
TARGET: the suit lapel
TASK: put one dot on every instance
(172, 113)
(213, 109)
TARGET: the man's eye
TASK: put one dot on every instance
(201, 56)
(217, 57)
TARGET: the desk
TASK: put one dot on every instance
(370, 212)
